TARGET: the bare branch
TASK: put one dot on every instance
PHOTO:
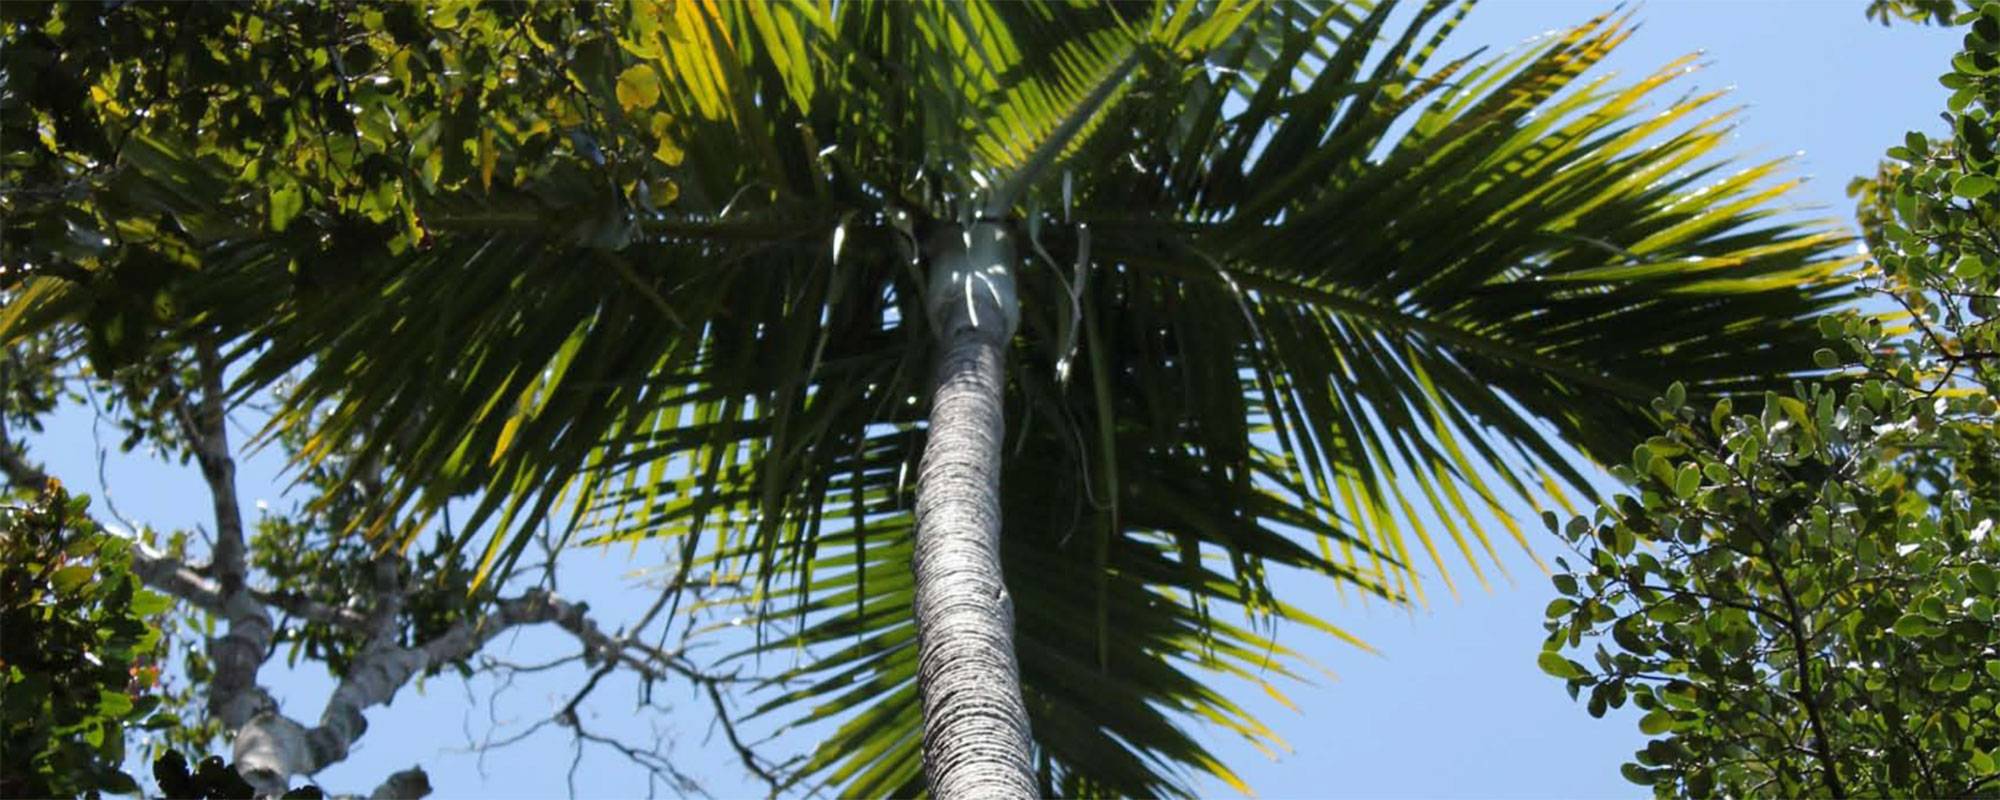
(169, 575)
(654, 761)
(751, 761)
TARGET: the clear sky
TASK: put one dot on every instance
(1454, 708)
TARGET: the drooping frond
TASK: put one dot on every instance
(1525, 249)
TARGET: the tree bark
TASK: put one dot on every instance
(976, 740)
(234, 695)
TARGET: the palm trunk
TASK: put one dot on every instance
(975, 725)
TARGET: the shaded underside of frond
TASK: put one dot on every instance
(1122, 635)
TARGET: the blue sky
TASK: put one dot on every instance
(1453, 708)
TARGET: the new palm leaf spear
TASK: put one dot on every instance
(1008, 349)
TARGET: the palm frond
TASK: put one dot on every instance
(1116, 724)
(1525, 249)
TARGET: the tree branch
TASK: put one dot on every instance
(410, 783)
(169, 575)
(271, 748)
(306, 608)
(743, 752)
(204, 423)
(274, 747)
(234, 696)
(1806, 694)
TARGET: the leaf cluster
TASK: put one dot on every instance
(331, 114)
(311, 556)
(30, 384)
(1939, 12)
(76, 660)
(1806, 600)
(1931, 219)
(1802, 600)
(325, 128)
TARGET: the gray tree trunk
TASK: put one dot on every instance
(976, 741)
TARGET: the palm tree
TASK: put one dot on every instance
(1197, 292)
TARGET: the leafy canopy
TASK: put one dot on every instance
(1806, 600)
(74, 664)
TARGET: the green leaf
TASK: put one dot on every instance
(1984, 578)
(668, 151)
(1912, 626)
(1720, 415)
(638, 88)
(1627, 636)
(1687, 481)
(1656, 722)
(161, 721)
(1666, 447)
(113, 704)
(1973, 186)
(1637, 774)
(1554, 664)
(1668, 612)
(68, 579)
(287, 199)
(1826, 358)
(148, 603)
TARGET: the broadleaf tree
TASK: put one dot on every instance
(98, 674)
(77, 664)
(1805, 600)
(1222, 289)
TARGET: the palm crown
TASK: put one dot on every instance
(1284, 282)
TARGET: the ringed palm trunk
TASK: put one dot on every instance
(976, 740)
